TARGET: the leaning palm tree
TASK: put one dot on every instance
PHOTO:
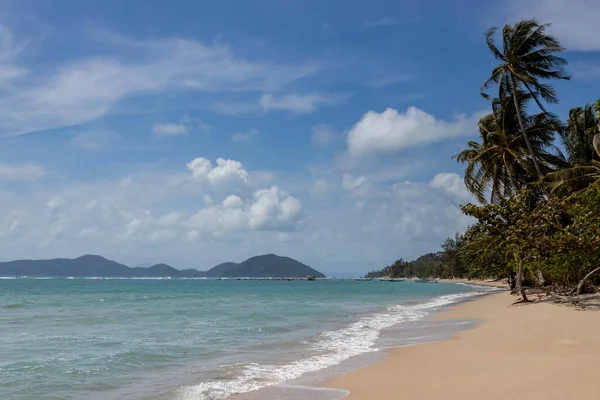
(528, 55)
(499, 165)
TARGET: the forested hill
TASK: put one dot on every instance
(426, 265)
(269, 265)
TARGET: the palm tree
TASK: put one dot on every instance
(527, 56)
(578, 136)
(581, 141)
(499, 165)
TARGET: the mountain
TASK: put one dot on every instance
(87, 265)
(269, 265)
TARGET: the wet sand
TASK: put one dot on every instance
(535, 351)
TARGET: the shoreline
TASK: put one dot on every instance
(409, 332)
(540, 351)
(477, 282)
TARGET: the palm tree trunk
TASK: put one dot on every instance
(596, 143)
(522, 125)
(519, 277)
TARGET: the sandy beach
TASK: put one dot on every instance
(500, 284)
(535, 351)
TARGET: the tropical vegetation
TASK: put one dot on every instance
(536, 178)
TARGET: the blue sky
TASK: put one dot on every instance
(334, 123)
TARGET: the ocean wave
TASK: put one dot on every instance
(332, 348)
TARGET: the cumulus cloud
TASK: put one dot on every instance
(391, 131)
(268, 210)
(233, 201)
(572, 21)
(22, 172)
(226, 171)
(451, 183)
(274, 209)
(170, 129)
(350, 225)
(117, 218)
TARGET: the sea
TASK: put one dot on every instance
(203, 339)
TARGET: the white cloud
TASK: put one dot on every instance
(89, 88)
(322, 135)
(274, 209)
(299, 104)
(573, 22)
(268, 210)
(9, 50)
(348, 182)
(295, 103)
(352, 225)
(23, 172)
(391, 131)
(233, 201)
(451, 183)
(225, 172)
(244, 137)
(170, 129)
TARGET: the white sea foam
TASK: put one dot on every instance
(332, 347)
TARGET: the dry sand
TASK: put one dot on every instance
(535, 351)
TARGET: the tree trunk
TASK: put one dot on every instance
(540, 281)
(585, 278)
(519, 277)
(596, 142)
(512, 282)
(523, 131)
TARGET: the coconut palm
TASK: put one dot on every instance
(581, 141)
(499, 163)
(578, 136)
(527, 56)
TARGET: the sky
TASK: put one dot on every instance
(194, 133)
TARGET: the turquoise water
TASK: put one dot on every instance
(191, 339)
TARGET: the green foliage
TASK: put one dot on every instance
(559, 237)
(422, 266)
(498, 165)
(527, 57)
(544, 213)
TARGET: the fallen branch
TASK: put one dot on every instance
(585, 278)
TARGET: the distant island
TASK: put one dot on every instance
(268, 265)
